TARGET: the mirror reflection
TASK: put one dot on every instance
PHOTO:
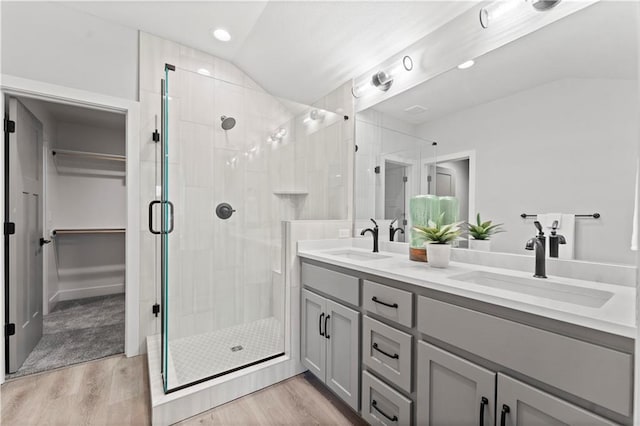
(546, 125)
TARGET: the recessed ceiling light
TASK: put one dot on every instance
(204, 71)
(467, 64)
(222, 34)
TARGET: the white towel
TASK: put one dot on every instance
(634, 225)
(566, 228)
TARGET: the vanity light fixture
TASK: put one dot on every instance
(467, 64)
(544, 5)
(314, 115)
(496, 10)
(277, 136)
(383, 79)
(221, 34)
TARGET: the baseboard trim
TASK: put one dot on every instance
(81, 293)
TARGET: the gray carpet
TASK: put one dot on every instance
(78, 331)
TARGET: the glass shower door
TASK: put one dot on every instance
(222, 302)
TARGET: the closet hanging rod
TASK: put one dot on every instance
(89, 231)
(108, 157)
(590, 216)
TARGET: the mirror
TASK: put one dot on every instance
(546, 125)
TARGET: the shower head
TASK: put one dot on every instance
(228, 123)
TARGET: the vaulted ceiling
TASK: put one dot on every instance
(299, 50)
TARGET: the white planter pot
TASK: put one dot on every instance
(480, 245)
(438, 255)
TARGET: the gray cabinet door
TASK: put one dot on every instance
(343, 356)
(312, 341)
(453, 391)
(524, 405)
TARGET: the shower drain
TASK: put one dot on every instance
(236, 348)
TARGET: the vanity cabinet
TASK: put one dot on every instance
(428, 361)
(452, 390)
(329, 344)
(523, 405)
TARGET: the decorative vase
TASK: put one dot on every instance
(418, 254)
(438, 254)
(480, 245)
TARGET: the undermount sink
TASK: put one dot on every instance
(357, 255)
(537, 287)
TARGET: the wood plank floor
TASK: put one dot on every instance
(115, 391)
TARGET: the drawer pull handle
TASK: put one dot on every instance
(503, 415)
(394, 356)
(326, 330)
(374, 404)
(375, 299)
(320, 324)
(483, 402)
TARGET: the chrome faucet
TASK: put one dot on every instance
(539, 244)
(555, 239)
(374, 232)
(392, 230)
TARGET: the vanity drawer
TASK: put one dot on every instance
(388, 302)
(341, 286)
(387, 351)
(601, 375)
(382, 405)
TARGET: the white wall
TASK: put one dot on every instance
(50, 42)
(567, 146)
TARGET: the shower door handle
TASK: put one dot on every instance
(170, 230)
(151, 204)
(171, 210)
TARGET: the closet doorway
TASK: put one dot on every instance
(65, 215)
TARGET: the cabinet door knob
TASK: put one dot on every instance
(483, 402)
(503, 415)
(320, 324)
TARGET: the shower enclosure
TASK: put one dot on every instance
(232, 162)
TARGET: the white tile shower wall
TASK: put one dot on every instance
(228, 272)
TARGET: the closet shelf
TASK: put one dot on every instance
(92, 155)
(68, 231)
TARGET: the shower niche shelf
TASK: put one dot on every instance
(284, 193)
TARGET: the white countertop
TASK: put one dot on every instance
(616, 316)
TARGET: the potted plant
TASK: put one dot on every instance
(438, 238)
(481, 234)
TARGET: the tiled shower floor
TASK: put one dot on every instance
(204, 355)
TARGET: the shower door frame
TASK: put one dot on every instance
(26, 88)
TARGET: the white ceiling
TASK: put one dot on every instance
(299, 50)
(600, 41)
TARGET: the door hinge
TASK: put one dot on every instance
(9, 329)
(405, 179)
(155, 309)
(9, 228)
(156, 136)
(376, 170)
(404, 222)
(429, 178)
(9, 126)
